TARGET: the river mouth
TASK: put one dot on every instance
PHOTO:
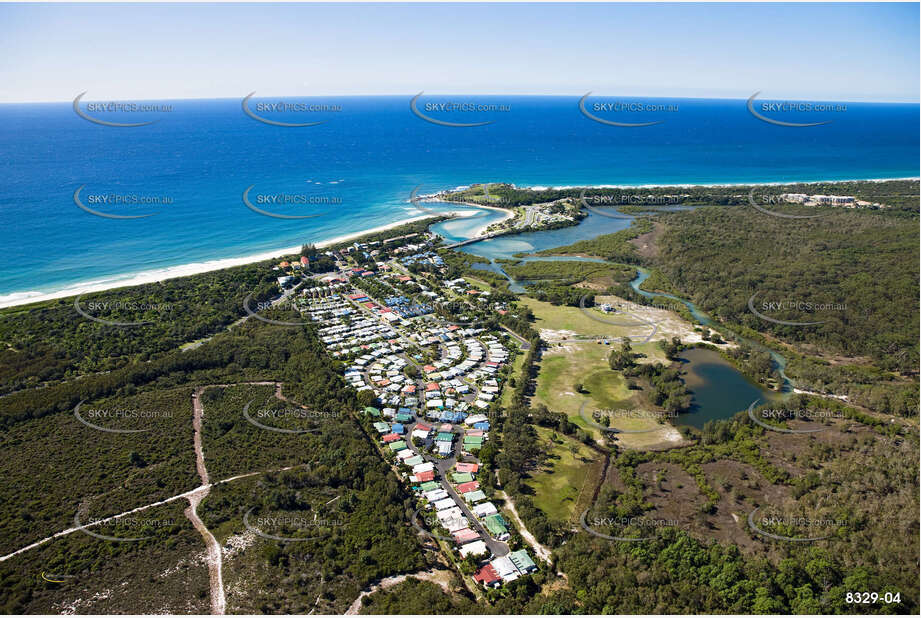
(719, 390)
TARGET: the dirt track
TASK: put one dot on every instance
(214, 559)
(439, 577)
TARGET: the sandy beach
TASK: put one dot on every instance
(506, 214)
(185, 270)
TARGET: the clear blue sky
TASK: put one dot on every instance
(852, 52)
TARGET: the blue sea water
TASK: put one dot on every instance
(363, 162)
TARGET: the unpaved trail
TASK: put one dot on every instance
(542, 552)
(214, 559)
(98, 522)
(436, 576)
(200, 465)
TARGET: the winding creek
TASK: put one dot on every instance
(719, 390)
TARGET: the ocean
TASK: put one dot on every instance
(356, 170)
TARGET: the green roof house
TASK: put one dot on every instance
(522, 561)
(461, 477)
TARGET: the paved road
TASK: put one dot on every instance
(443, 466)
(498, 548)
(525, 345)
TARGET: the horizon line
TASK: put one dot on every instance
(469, 94)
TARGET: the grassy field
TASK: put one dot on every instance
(506, 398)
(562, 366)
(480, 285)
(572, 319)
(570, 471)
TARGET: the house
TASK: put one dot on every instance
(477, 548)
(487, 576)
(465, 535)
(522, 561)
(484, 509)
(505, 569)
(444, 503)
(397, 446)
(473, 443)
(461, 477)
(415, 460)
(390, 437)
(422, 432)
(424, 477)
(464, 488)
(435, 495)
(472, 468)
(496, 527)
(475, 496)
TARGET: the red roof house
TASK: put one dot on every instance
(487, 576)
(465, 536)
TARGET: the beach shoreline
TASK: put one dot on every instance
(506, 212)
(772, 183)
(15, 299)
